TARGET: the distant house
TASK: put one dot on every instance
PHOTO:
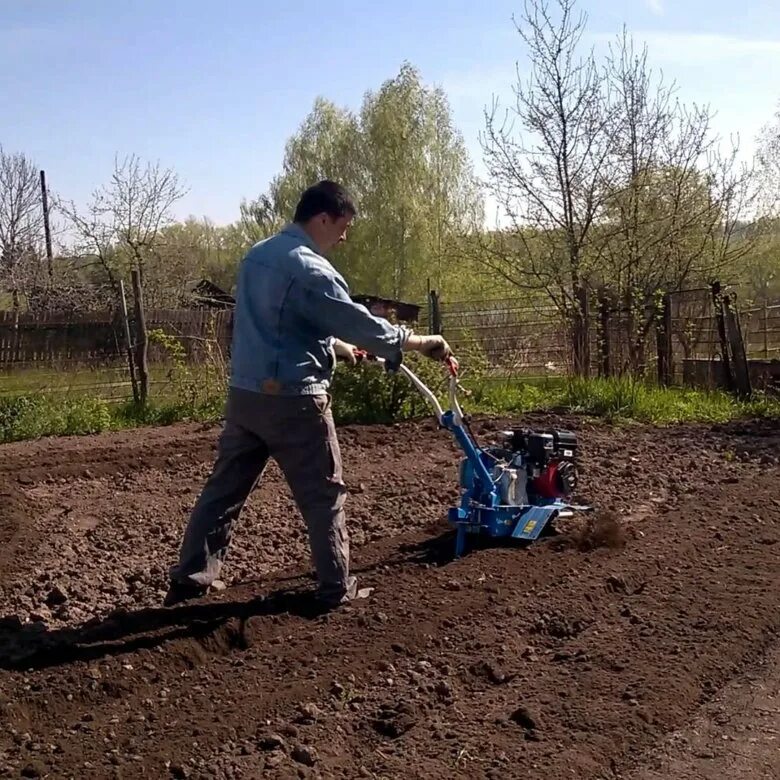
(385, 307)
(206, 293)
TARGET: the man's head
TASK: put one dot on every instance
(325, 211)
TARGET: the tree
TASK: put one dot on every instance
(21, 223)
(608, 182)
(325, 146)
(759, 274)
(669, 215)
(408, 169)
(549, 175)
(761, 270)
(420, 192)
(122, 226)
(194, 249)
(768, 167)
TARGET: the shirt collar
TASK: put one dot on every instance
(296, 231)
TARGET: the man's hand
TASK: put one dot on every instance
(345, 351)
(433, 347)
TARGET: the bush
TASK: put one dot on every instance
(191, 385)
(30, 417)
(367, 393)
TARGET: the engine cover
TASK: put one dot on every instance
(548, 458)
(558, 480)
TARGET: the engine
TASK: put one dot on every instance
(529, 467)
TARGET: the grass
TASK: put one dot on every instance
(31, 415)
(109, 382)
(624, 399)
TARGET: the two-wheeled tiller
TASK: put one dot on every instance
(515, 489)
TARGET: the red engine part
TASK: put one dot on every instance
(548, 484)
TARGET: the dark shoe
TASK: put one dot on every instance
(183, 591)
(335, 598)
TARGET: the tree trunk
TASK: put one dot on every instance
(142, 340)
(580, 332)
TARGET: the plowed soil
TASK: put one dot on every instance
(608, 651)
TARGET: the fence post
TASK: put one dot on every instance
(737, 345)
(663, 333)
(128, 341)
(766, 329)
(17, 340)
(605, 367)
(582, 332)
(142, 338)
(434, 321)
(717, 302)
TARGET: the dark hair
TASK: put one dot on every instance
(325, 196)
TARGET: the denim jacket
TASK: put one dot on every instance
(290, 303)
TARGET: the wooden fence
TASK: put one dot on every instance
(87, 353)
(681, 341)
(30, 340)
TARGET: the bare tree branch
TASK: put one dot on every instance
(21, 223)
(550, 173)
(123, 225)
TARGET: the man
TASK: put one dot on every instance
(293, 317)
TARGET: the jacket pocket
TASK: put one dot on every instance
(323, 402)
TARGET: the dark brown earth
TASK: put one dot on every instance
(579, 657)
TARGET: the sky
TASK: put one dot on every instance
(214, 89)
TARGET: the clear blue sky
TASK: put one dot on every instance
(215, 88)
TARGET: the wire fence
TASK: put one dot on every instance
(88, 353)
(680, 342)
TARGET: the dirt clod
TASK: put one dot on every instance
(393, 720)
(270, 741)
(304, 754)
(309, 713)
(491, 671)
(56, 597)
(523, 717)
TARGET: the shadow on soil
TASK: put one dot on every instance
(219, 624)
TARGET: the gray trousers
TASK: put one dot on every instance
(299, 434)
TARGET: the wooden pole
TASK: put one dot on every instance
(435, 320)
(737, 345)
(663, 332)
(717, 302)
(142, 339)
(46, 224)
(128, 341)
(766, 329)
(605, 364)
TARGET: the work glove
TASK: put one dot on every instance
(345, 351)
